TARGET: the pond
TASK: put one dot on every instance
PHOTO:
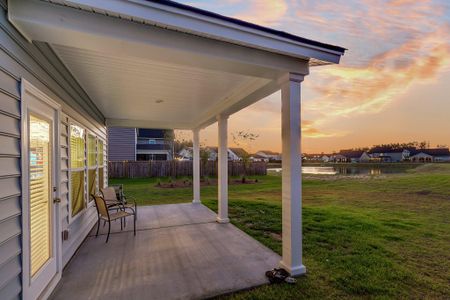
(349, 170)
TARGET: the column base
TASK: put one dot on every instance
(195, 201)
(293, 270)
(223, 221)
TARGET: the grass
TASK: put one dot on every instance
(381, 237)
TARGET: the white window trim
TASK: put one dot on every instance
(104, 163)
(81, 212)
(97, 186)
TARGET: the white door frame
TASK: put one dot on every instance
(29, 94)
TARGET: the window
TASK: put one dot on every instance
(77, 169)
(92, 165)
(101, 165)
(40, 153)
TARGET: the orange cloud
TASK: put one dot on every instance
(263, 12)
(310, 129)
(369, 89)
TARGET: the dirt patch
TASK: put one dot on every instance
(174, 184)
(244, 181)
(275, 236)
(423, 192)
(204, 182)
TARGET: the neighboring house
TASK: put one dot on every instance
(130, 144)
(69, 69)
(185, 154)
(234, 154)
(122, 144)
(365, 157)
(431, 155)
(421, 157)
(269, 155)
(385, 154)
(339, 158)
(326, 158)
(313, 157)
(154, 144)
(237, 154)
(256, 158)
(352, 156)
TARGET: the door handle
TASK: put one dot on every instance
(57, 200)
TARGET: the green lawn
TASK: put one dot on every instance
(366, 237)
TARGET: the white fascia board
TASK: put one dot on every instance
(186, 21)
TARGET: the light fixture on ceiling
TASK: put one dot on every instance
(159, 101)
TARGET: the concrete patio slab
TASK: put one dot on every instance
(179, 252)
(161, 216)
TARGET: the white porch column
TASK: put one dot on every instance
(196, 165)
(292, 177)
(222, 171)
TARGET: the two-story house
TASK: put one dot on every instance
(132, 144)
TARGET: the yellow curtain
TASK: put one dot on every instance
(92, 174)
(77, 193)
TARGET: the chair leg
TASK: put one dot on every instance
(109, 230)
(134, 219)
(98, 227)
(121, 224)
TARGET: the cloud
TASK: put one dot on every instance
(262, 12)
(310, 130)
(371, 88)
(393, 46)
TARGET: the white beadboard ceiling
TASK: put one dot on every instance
(136, 89)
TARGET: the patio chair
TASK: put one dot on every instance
(112, 199)
(104, 213)
(118, 188)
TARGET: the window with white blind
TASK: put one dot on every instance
(40, 192)
(77, 169)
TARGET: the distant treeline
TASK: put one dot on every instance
(396, 146)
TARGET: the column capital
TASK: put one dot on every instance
(291, 77)
(222, 117)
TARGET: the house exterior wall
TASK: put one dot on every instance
(36, 63)
(122, 143)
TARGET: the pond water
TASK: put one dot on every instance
(347, 170)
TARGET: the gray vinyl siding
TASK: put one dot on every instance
(122, 143)
(41, 67)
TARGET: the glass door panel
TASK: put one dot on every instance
(40, 177)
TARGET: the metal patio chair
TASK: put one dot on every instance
(104, 214)
(114, 196)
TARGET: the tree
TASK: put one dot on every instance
(423, 145)
(181, 141)
(245, 139)
(204, 157)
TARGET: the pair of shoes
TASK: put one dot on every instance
(280, 275)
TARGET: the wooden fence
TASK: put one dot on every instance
(174, 168)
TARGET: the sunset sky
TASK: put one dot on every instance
(393, 84)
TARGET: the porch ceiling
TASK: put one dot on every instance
(132, 91)
(148, 64)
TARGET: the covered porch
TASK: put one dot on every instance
(179, 252)
(160, 64)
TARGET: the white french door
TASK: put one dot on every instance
(41, 251)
